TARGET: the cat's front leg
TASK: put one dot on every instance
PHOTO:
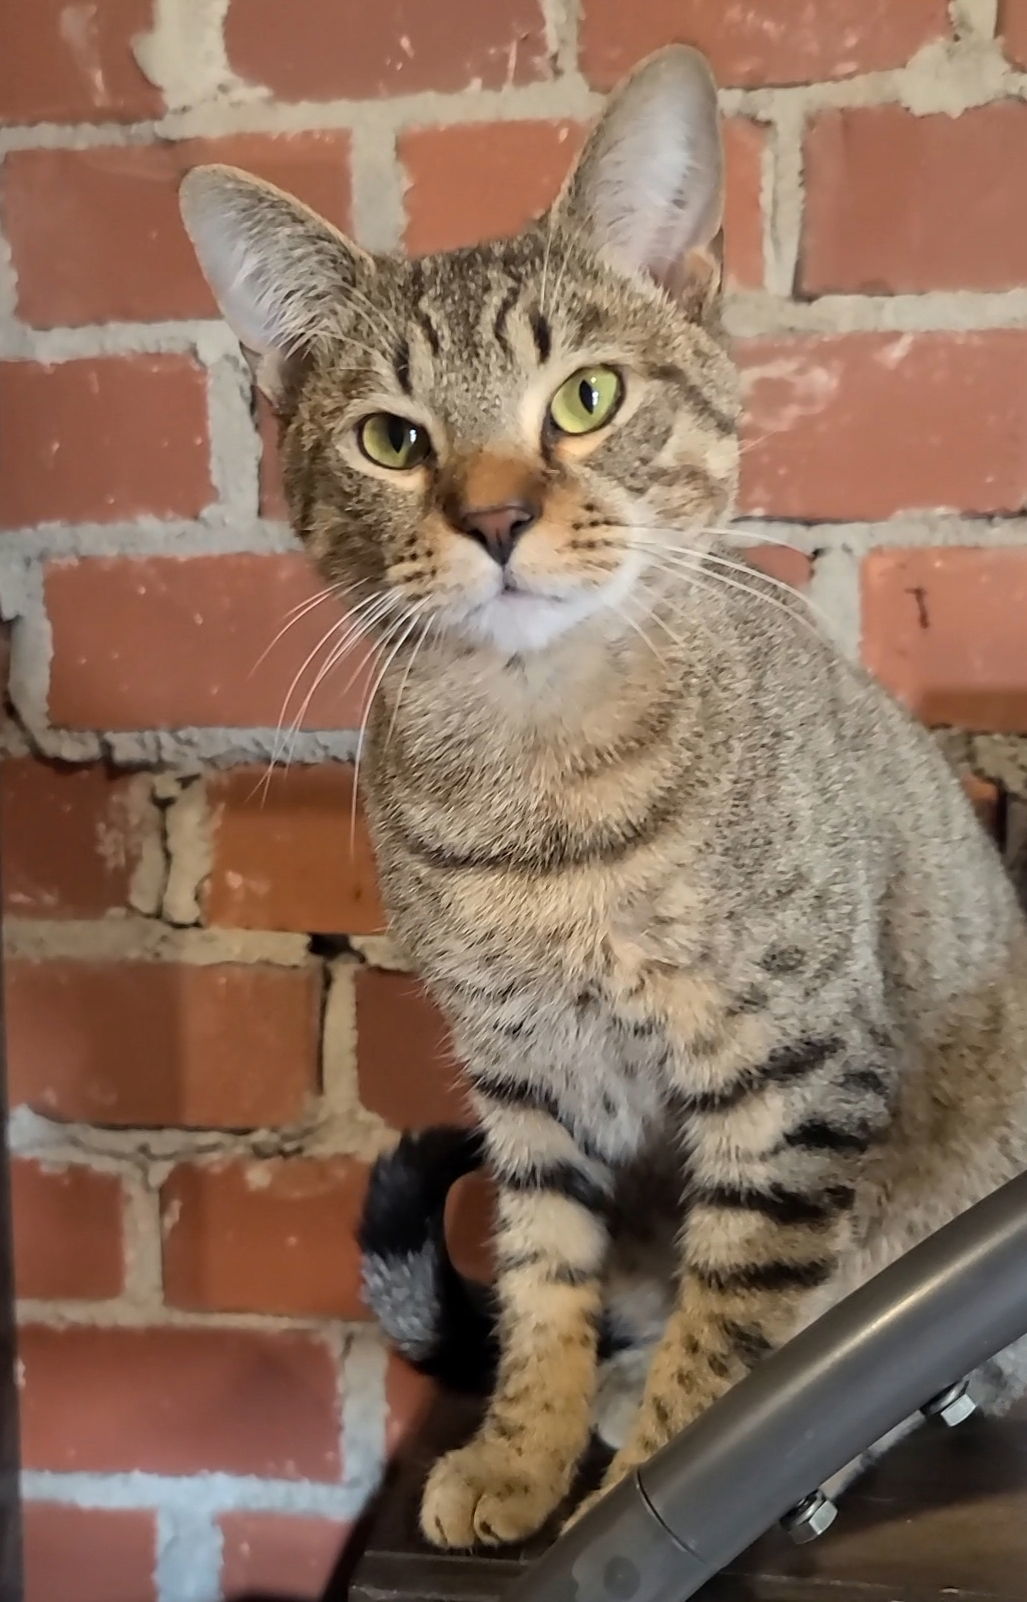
(551, 1246)
(776, 1152)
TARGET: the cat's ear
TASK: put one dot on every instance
(277, 270)
(648, 188)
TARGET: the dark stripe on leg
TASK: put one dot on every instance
(815, 1134)
(772, 1276)
(778, 1203)
(747, 1340)
(784, 1065)
(558, 1179)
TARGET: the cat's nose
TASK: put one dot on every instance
(498, 528)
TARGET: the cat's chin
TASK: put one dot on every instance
(515, 622)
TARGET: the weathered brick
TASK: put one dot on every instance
(470, 1216)
(319, 50)
(64, 62)
(70, 838)
(745, 147)
(68, 1232)
(481, 180)
(279, 1554)
(478, 181)
(944, 630)
(87, 1554)
(762, 41)
(281, 855)
(987, 801)
(900, 204)
(782, 562)
(150, 1043)
(178, 1401)
(211, 622)
(868, 425)
(272, 490)
(1012, 28)
(408, 1395)
(103, 438)
(96, 234)
(404, 1054)
(275, 1236)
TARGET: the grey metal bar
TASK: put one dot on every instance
(801, 1415)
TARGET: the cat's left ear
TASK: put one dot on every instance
(648, 188)
(280, 274)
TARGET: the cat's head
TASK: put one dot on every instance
(514, 437)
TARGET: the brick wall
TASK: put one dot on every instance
(208, 1037)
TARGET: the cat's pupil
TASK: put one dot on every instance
(588, 395)
(399, 434)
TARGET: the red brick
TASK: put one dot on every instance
(782, 562)
(105, 438)
(71, 839)
(944, 630)
(208, 620)
(482, 180)
(319, 50)
(745, 145)
(272, 490)
(761, 41)
(178, 1401)
(899, 204)
(96, 234)
(85, 1554)
(273, 1236)
(477, 181)
(867, 425)
(68, 1232)
(153, 1043)
(405, 1059)
(281, 853)
(1012, 27)
(986, 799)
(470, 1216)
(408, 1395)
(66, 62)
(279, 1554)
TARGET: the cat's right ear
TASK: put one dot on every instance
(279, 272)
(648, 188)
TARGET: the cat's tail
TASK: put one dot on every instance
(442, 1323)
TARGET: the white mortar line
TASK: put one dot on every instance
(147, 940)
(189, 1554)
(191, 1493)
(364, 1413)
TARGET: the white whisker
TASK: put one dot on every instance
(693, 564)
(300, 610)
(800, 602)
(429, 624)
(375, 687)
(362, 630)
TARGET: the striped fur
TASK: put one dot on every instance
(739, 984)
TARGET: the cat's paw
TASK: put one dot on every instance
(481, 1495)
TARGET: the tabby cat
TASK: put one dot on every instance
(739, 982)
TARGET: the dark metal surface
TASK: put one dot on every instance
(942, 1519)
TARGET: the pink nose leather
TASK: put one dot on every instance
(498, 528)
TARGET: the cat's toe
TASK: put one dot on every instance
(473, 1498)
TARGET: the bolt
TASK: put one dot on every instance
(809, 1519)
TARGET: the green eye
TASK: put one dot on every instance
(393, 441)
(587, 400)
